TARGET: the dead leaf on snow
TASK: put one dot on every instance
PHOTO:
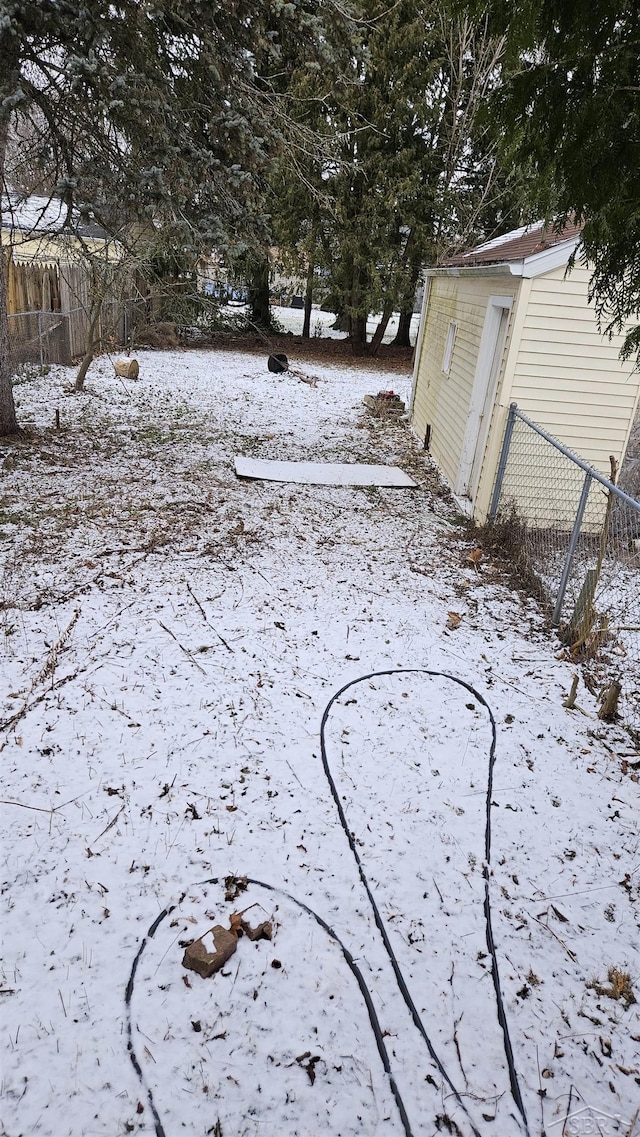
(239, 925)
(235, 923)
(308, 1063)
(453, 620)
(234, 885)
(559, 915)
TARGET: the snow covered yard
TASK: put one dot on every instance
(171, 637)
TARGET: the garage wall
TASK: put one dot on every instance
(441, 400)
(568, 377)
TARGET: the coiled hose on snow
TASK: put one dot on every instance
(351, 963)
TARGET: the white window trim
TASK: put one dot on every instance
(477, 432)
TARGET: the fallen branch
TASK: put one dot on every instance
(205, 618)
(186, 651)
(27, 706)
(572, 955)
(312, 380)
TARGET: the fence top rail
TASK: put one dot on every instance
(46, 312)
(578, 461)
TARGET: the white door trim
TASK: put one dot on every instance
(487, 374)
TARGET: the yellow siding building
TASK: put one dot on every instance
(506, 323)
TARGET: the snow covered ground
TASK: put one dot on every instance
(171, 637)
(292, 320)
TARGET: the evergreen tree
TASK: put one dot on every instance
(417, 163)
(307, 65)
(569, 108)
(148, 112)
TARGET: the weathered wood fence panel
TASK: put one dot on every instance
(49, 305)
(32, 287)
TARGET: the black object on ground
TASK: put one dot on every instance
(349, 959)
(278, 362)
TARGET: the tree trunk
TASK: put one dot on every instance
(358, 334)
(259, 295)
(378, 335)
(341, 323)
(91, 346)
(308, 296)
(403, 334)
(358, 310)
(308, 302)
(8, 421)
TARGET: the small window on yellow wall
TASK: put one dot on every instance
(448, 348)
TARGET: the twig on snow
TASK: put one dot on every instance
(182, 647)
(206, 619)
(566, 1118)
(110, 703)
(27, 706)
(41, 808)
(572, 955)
(46, 670)
(294, 774)
(541, 1092)
(110, 825)
(21, 805)
(51, 661)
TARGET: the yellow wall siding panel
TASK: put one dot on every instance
(554, 321)
(443, 400)
(541, 322)
(553, 377)
(544, 363)
(559, 369)
(589, 407)
(586, 389)
(568, 377)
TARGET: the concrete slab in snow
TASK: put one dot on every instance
(322, 473)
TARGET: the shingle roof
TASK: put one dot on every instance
(36, 215)
(515, 246)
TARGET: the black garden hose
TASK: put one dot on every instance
(400, 980)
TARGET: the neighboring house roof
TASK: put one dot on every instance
(39, 215)
(534, 246)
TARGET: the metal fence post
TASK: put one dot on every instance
(40, 341)
(575, 534)
(502, 464)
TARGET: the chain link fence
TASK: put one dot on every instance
(38, 339)
(577, 537)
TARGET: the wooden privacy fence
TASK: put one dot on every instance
(45, 286)
(32, 287)
(49, 305)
